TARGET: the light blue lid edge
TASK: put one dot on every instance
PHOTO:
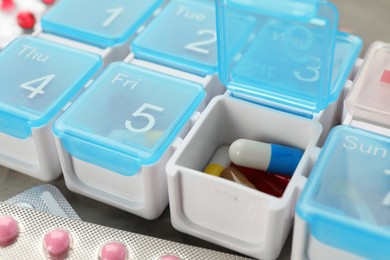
(333, 229)
(95, 39)
(21, 126)
(348, 64)
(126, 164)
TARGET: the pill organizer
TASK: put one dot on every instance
(343, 212)
(81, 240)
(366, 105)
(283, 79)
(189, 55)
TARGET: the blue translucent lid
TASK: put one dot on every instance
(346, 201)
(127, 118)
(287, 59)
(99, 23)
(38, 78)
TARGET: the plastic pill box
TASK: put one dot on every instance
(367, 103)
(50, 76)
(115, 139)
(343, 212)
(284, 77)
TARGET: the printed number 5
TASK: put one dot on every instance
(314, 70)
(140, 113)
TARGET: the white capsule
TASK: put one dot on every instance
(266, 157)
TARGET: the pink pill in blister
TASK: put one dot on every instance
(169, 257)
(57, 243)
(113, 251)
(9, 230)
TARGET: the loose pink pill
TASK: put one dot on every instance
(113, 251)
(57, 243)
(9, 230)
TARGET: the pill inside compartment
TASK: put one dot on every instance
(244, 215)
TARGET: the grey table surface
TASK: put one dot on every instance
(370, 19)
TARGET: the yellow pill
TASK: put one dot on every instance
(219, 161)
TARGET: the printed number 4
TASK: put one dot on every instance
(39, 89)
(140, 113)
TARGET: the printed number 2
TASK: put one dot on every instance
(39, 89)
(115, 12)
(199, 45)
(140, 113)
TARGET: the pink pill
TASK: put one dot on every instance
(9, 230)
(113, 251)
(169, 257)
(57, 243)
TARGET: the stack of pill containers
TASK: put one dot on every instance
(282, 75)
(114, 144)
(344, 209)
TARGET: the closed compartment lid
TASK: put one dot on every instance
(128, 117)
(346, 201)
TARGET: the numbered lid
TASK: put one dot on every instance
(38, 78)
(182, 36)
(370, 94)
(127, 118)
(346, 201)
(99, 23)
(287, 57)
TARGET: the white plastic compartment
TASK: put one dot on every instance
(116, 152)
(226, 213)
(35, 98)
(285, 79)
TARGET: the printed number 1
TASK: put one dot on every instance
(140, 113)
(115, 12)
(39, 89)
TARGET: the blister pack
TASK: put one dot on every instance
(31, 234)
(46, 198)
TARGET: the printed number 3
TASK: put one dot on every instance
(140, 113)
(314, 70)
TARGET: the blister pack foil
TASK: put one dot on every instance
(87, 240)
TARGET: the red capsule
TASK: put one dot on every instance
(48, 2)
(273, 184)
(26, 20)
(7, 5)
